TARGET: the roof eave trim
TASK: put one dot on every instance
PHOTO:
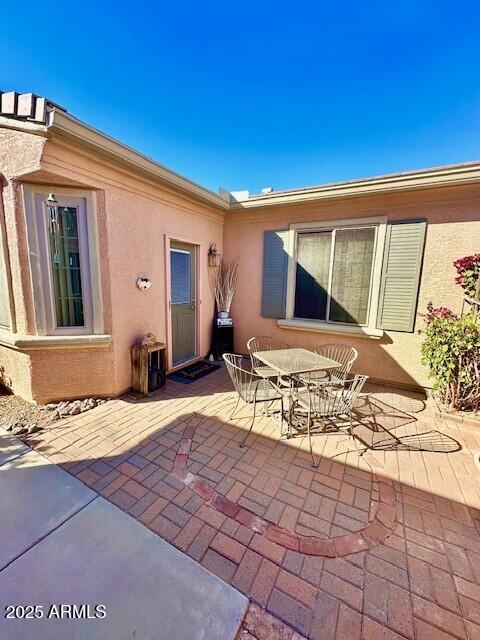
(23, 125)
(443, 176)
(71, 129)
(68, 127)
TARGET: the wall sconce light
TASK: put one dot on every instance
(214, 257)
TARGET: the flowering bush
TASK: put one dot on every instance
(438, 312)
(468, 269)
(451, 350)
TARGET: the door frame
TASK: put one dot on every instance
(169, 238)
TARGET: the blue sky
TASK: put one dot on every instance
(245, 95)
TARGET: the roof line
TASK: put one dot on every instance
(382, 176)
(454, 174)
(64, 125)
(40, 116)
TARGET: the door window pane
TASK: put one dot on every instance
(313, 263)
(352, 269)
(65, 260)
(180, 276)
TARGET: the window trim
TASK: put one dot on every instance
(5, 274)
(48, 275)
(41, 268)
(380, 222)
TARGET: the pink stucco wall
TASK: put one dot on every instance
(134, 217)
(20, 153)
(453, 230)
(16, 372)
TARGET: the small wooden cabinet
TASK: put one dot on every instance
(149, 365)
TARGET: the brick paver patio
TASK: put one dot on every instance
(381, 545)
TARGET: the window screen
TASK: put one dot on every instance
(335, 290)
(352, 269)
(180, 276)
(313, 263)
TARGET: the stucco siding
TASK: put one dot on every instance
(72, 373)
(20, 154)
(16, 372)
(134, 216)
(453, 219)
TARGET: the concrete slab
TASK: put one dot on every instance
(36, 496)
(151, 591)
(10, 447)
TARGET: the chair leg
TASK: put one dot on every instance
(268, 406)
(291, 412)
(235, 408)
(350, 433)
(350, 428)
(309, 424)
(281, 415)
(242, 444)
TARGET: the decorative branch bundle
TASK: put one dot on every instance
(223, 280)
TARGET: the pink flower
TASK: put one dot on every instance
(438, 312)
(468, 269)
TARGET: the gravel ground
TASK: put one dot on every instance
(13, 408)
(20, 414)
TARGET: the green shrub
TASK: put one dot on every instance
(451, 350)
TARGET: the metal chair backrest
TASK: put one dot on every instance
(244, 381)
(334, 398)
(342, 353)
(263, 343)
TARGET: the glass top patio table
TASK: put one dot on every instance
(296, 360)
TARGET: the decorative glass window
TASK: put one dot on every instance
(333, 274)
(66, 271)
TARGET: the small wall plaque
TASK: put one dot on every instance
(143, 283)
